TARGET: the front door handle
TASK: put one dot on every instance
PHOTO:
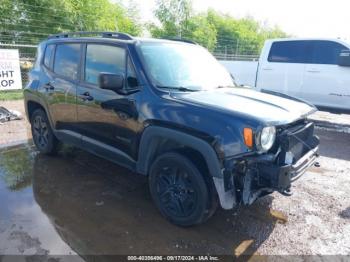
(86, 97)
(313, 71)
(48, 86)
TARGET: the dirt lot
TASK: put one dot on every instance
(14, 132)
(77, 203)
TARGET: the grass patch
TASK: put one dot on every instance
(11, 95)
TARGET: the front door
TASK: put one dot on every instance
(106, 118)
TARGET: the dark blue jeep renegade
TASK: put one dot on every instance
(167, 109)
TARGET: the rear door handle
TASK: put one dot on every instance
(267, 68)
(86, 97)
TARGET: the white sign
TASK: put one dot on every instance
(10, 71)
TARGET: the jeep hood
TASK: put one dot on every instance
(270, 109)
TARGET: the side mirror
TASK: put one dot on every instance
(344, 58)
(112, 82)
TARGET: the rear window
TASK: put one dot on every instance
(290, 52)
(67, 60)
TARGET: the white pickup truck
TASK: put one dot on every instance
(315, 70)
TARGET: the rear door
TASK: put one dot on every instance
(326, 83)
(59, 83)
(282, 69)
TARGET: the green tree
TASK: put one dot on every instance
(29, 21)
(240, 36)
(173, 16)
(201, 31)
(177, 20)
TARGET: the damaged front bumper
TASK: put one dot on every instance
(247, 178)
(263, 177)
(285, 175)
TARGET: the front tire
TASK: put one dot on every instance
(43, 137)
(179, 190)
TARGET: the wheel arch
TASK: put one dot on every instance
(151, 140)
(32, 106)
(33, 103)
(154, 137)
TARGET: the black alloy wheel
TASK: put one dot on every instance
(43, 137)
(179, 190)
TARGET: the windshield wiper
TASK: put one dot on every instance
(179, 88)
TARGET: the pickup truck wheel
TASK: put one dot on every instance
(43, 137)
(179, 190)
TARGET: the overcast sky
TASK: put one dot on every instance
(301, 18)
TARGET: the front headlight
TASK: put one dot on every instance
(267, 138)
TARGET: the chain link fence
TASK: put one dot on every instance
(233, 57)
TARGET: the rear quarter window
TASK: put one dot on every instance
(49, 52)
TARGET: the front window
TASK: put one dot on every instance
(179, 66)
(103, 59)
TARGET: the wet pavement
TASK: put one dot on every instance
(77, 203)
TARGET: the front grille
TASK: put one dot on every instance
(297, 140)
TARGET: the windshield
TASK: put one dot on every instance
(183, 66)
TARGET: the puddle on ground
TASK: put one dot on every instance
(76, 203)
(15, 179)
(23, 225)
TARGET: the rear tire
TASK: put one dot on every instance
(179, 190)
(43, 137)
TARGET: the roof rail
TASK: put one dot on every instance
(117, 35)
(181, 40)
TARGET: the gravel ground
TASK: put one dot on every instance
(319, 211)
(76, 203)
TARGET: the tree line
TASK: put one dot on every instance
(29, 21)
